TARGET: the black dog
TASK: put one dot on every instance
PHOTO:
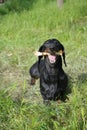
(53, 80)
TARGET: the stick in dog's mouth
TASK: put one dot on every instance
(52, 58)
(37, 53)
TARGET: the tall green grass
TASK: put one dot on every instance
(27, 116)
(24, 26)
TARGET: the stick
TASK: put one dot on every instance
(37, 53)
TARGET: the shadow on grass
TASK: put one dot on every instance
(82, 78)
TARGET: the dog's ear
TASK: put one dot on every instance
(41, 49)
(63, 55)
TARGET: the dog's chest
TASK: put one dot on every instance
(50, 77)
(53, 78)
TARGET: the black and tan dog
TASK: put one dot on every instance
(53, 80)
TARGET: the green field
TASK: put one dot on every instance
(24, 26)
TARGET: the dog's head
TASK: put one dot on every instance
(51, 49)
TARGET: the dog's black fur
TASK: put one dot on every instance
(53, 80)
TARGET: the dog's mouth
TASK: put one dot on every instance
(52, 58)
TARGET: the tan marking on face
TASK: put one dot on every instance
(59, 52)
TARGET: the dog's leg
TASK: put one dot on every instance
(34, 73)
(32, 81)
(63, 87)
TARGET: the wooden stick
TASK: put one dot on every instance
(37, 53)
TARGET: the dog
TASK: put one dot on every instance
(48, 68)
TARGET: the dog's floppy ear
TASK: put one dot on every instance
(63, 54)
(41, 49)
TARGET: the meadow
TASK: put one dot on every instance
(24, 26)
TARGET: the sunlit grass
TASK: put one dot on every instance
(21, 33)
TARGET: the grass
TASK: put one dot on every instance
(22, 30)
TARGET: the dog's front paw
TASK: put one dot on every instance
(32, 81)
